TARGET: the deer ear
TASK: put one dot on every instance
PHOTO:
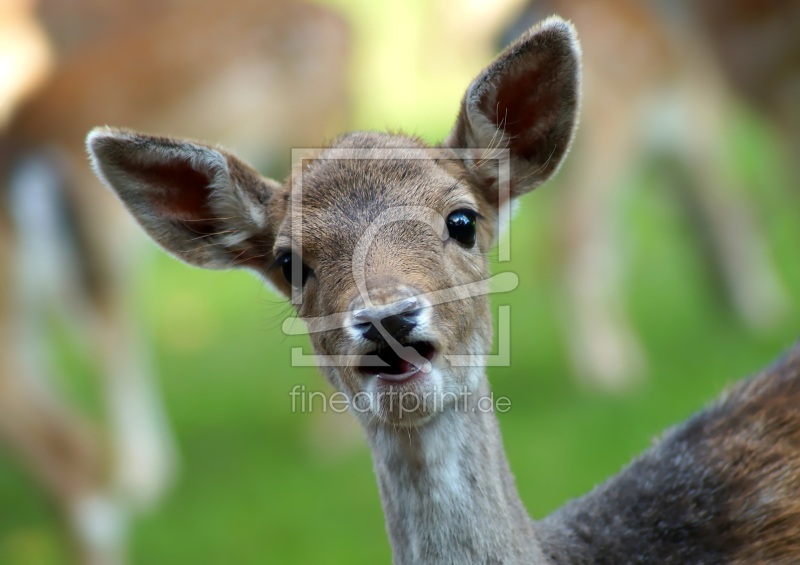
(200, 204)
(526, 101)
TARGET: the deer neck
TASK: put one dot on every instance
(447, 491)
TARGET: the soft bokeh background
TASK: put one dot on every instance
(260, 484)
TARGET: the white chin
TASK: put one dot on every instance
(408, 402)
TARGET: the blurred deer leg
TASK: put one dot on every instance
(59, 450)
(142, 450)
(143, 453)
(747, 271)
(52, 441)
(605, 351)
(739, 244)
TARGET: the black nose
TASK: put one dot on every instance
(397, 320)
(396, 326)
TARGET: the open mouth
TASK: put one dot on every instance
(389, 365)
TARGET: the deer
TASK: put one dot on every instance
(380, 241)
(67, 251)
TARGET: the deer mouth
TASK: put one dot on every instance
(400, 363)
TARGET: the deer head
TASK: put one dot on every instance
(380, 241)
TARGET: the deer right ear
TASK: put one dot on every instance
(526, 101)
(200, 204)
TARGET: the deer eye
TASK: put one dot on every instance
(461, 227)
(294, 271)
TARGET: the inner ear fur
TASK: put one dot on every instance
(526, 101)
(199, 203)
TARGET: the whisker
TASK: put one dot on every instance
(212, 234)
(209, 219)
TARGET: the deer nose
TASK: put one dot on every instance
(397, 319)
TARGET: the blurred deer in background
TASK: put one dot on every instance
(654, 89)
(252, 74)
(757, 47)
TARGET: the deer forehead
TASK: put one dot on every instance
(390, 192)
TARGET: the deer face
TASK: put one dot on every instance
(379, 240)
(386, 238)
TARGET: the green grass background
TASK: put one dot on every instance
(260, 484)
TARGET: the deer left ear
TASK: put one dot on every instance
(526, 101)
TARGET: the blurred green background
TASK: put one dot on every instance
(260, 484)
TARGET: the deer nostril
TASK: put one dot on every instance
(397, 319)
(371, 333)
(397, 326)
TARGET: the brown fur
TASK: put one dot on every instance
(755, 440)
